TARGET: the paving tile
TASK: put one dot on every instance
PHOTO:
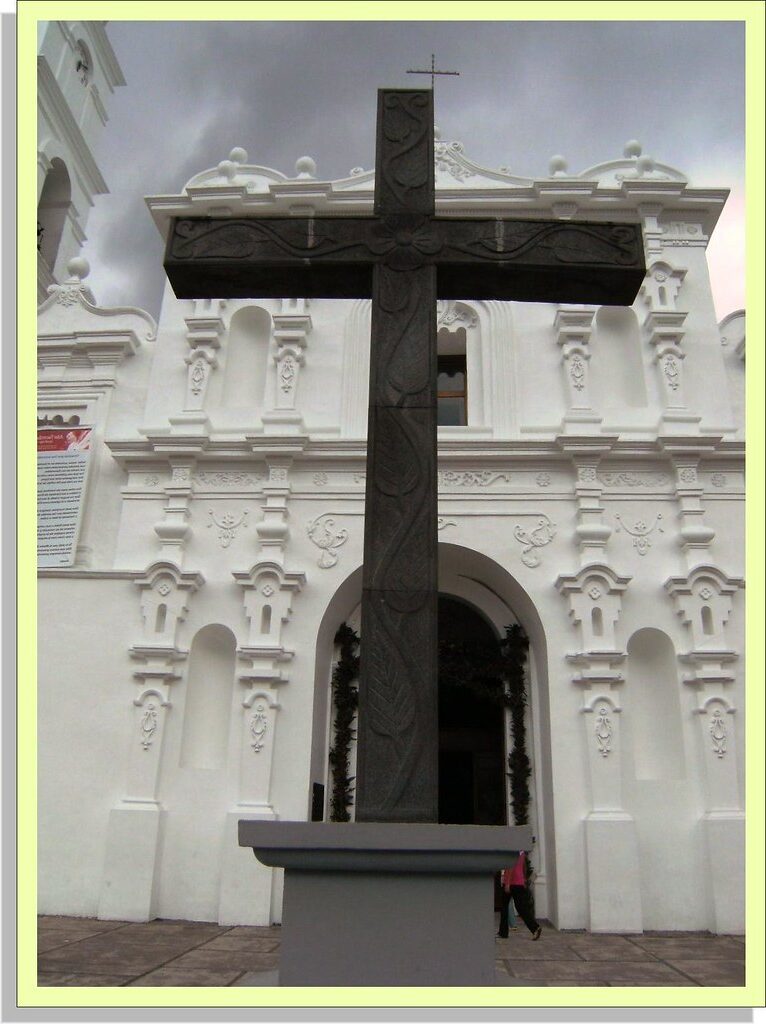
(712, 947)
(88, 925)
(585, 972)
(611, 948)
(195, 931)
(176, 976)
(712, 972)
(255, 930)
(47, 940)
(224, 960)
(107, 960)
(57, 921)
(244, 943)
(540, 950)
(64, 978)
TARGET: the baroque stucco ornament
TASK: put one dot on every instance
(603, 731)
(717, 730)
(640, 532)
(531, 539)
(322, 532)
(259, 725)
(227, 524)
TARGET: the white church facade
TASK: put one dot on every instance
(591, 490)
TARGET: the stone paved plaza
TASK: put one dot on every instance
(83, 951)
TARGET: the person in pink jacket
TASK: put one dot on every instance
(514, 884)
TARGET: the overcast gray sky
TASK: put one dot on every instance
(526, 90)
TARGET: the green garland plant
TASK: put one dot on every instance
(495, 674)
(345, 696)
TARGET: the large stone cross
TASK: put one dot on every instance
(405, 258)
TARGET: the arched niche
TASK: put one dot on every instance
(616, 364)
(209, 694)
(653, 699)
(52, 210)
(246, 360)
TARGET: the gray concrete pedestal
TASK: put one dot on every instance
(386, 904)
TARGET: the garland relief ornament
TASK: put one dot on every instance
(227, 524)
(640, 532)
(322, 532)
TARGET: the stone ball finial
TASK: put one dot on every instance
(238, 155)
(645, 164)
(557, 165)
(305, 167)
(78, 268)
(227, 169)
(437, 133)
(632, 148)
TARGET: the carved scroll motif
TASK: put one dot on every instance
(542, 534)
(322, 532)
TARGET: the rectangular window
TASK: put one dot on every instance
(451, 391)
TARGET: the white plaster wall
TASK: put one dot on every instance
(84, 699)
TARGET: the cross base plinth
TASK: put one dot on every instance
(373, 903)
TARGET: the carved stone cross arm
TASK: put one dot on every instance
(522, 260)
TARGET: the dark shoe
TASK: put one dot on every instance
(501, 936)
(537, 934)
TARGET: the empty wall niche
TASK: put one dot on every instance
(207, 711)
(654, 704)
(247, 357)
(617, 366)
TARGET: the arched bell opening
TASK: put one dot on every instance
(52, 210)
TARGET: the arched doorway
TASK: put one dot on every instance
(483, 585)
(471, 722)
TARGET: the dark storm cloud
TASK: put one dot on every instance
(284, 89)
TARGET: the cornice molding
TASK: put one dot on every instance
(104, 53)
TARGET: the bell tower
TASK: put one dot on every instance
(77, 73)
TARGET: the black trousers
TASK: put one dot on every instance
(523, 904)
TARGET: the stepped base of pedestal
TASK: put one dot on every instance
(386, 904)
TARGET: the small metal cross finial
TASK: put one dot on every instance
(431, 71)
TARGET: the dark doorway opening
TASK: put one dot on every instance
(472, 766)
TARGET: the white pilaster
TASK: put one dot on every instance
(291, 329)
